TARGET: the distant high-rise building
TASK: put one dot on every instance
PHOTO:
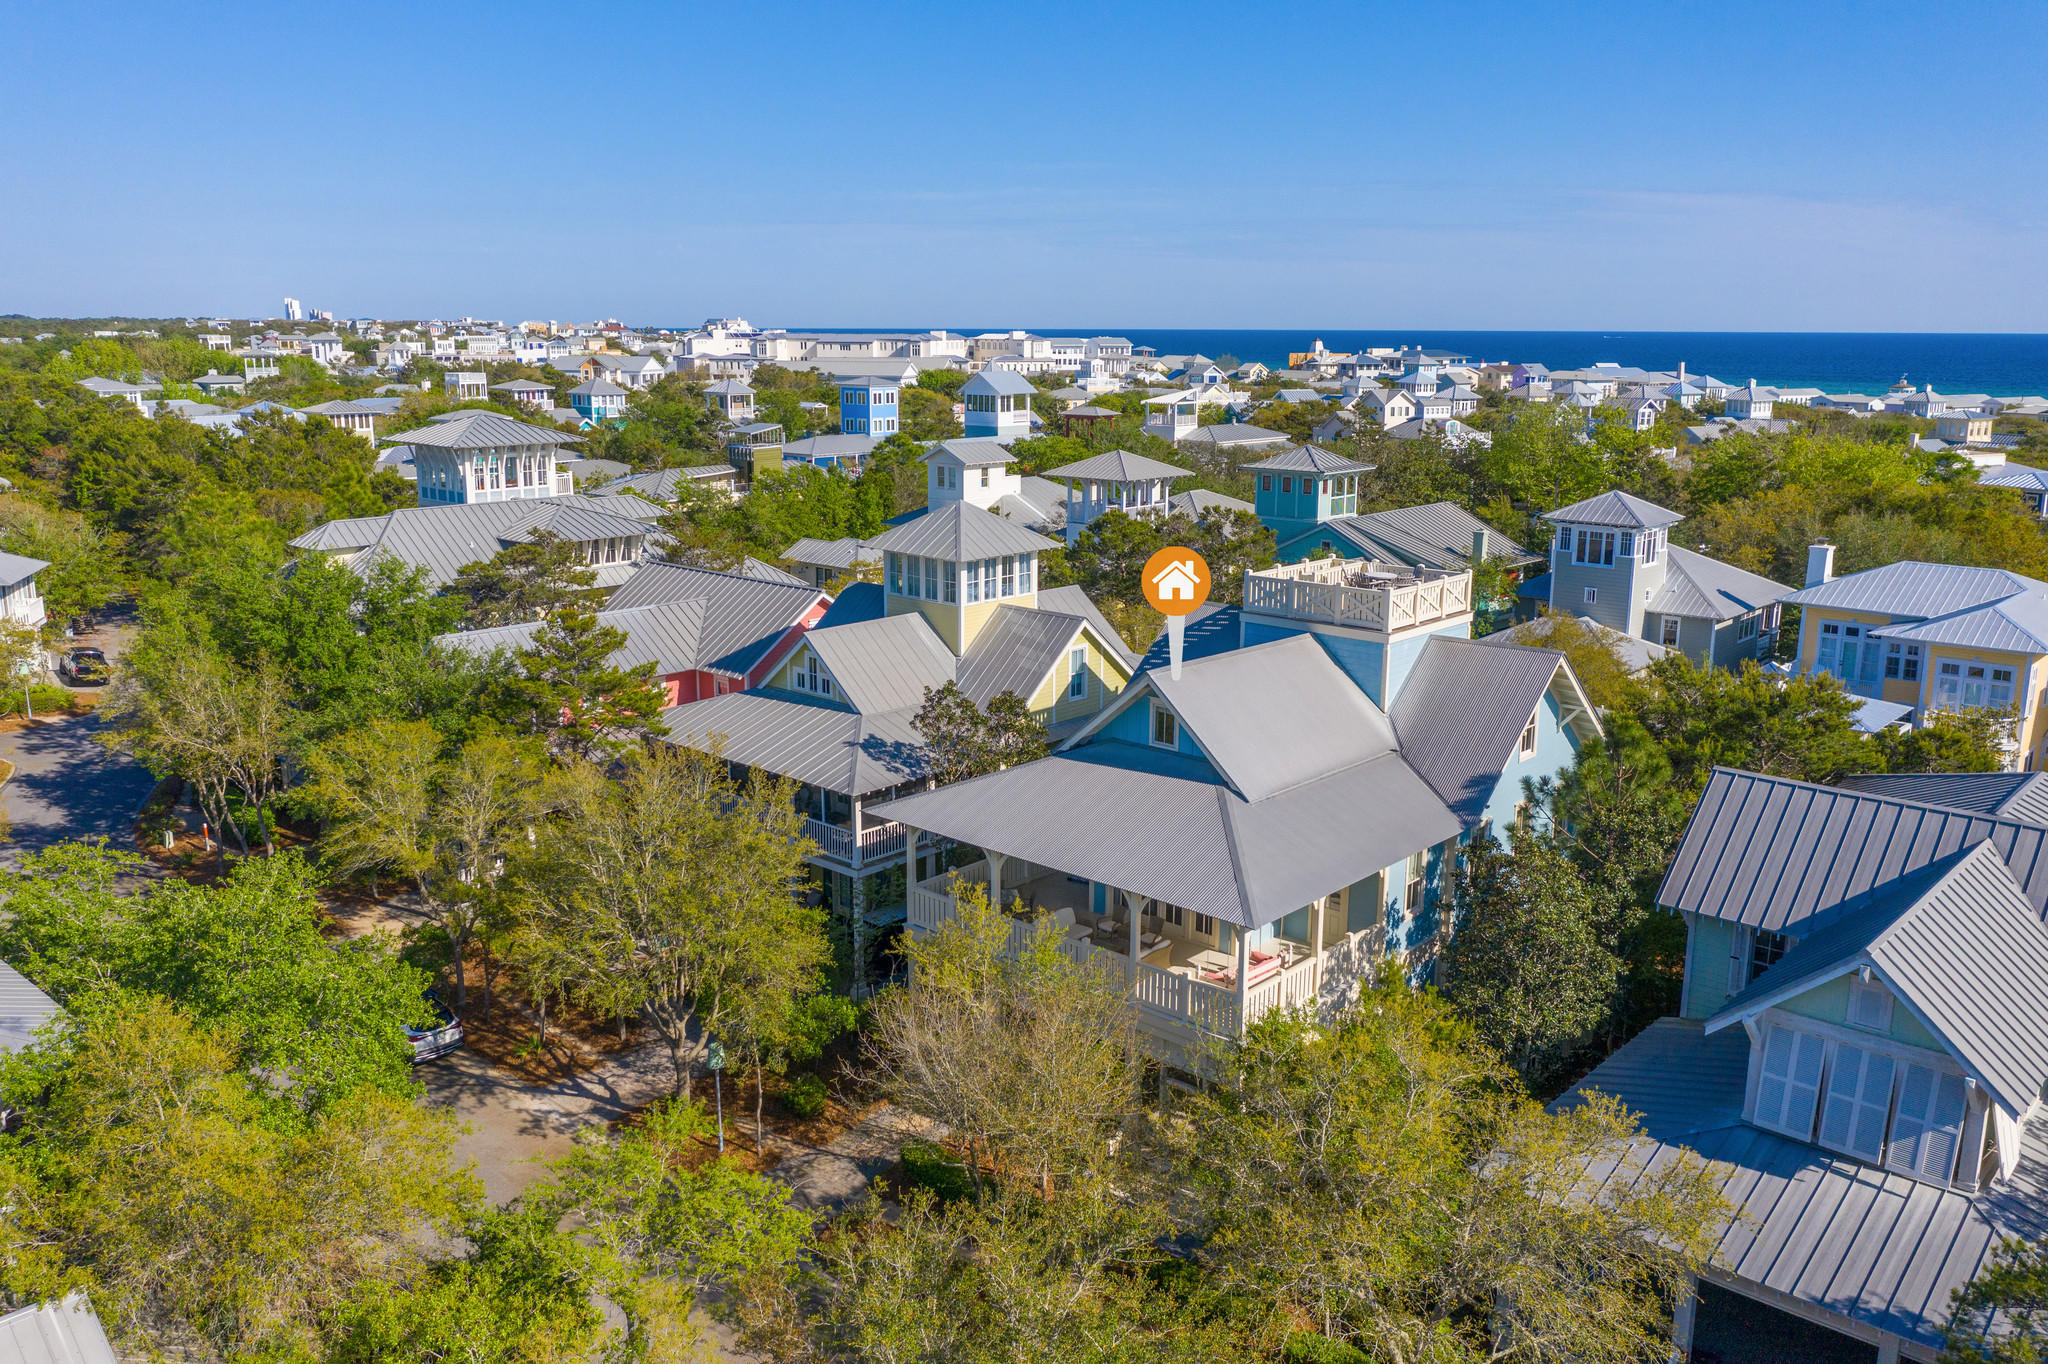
(294, 311)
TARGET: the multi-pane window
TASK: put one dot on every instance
(1902, 661)
(1594, 547)
(1766, 949)
(931, 579)
(1670, 632)
(1527, 747)
(1165, 727)
(949, 581)
(1948, 685)
(1077, 673)
(1418, 875)
(1999, 697)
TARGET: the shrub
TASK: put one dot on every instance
(45, 698)
(804, 1097)
(1304, 1347)
(930, 1167)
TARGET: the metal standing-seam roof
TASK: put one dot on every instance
(16, 568)
(1117, 466)
(2021, 796)
(1881, 1248)
(1160, 824)
(660, 484)
(1231, 434)
(973, 453)
(840, 554)
(441, 540)
(1615, 508)
(808, 741)
(745, 616)
(64, 1332)
(1199, 502)
(1014, 651)
(478, 430)
(1958, 942)
(2018, 624)
(1462, 711)
(669, 636)
(1708, 589)
(1312, 459)
(1915, 589)
(960, 532)
(23, 1009)
(855, 602)
(2015, 476)
(1073, 600)
(1778, 854)
(886, 664)
(998, 381)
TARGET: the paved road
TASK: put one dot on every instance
(66, 786)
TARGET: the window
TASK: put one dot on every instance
(895, 573)
(1165, 728)
(1265, 483)
(1902, 661)
(1948, 683)
(1564, 540)
(1870, 1006)
(1858, 1102)
(1766, 949)
(1024, 569)
(1973, 685)
(973, 582)
(1746, 627)
(1205, 926)
(807, 676)
(1670, 632)
(1172, 914)
(1077, 673)
(1594, 547)
(1927, 1132)
(1009, 575)
(931, 579)
(2000, 695)
(949, 578)
(1418, 872)
(1528, 744)
(1628, 545)
(1788, 1087)
(984, 476)
(1592, 595)
(1287, 483)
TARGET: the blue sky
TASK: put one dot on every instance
(1770, 167)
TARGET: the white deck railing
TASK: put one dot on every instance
(1370, 596)
(1180, 1001)
(882, 840)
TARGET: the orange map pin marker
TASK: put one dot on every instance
(1176, 583)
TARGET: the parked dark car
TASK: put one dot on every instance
(438, 1040)
(84, 667)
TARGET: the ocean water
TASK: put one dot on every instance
(2005, 364)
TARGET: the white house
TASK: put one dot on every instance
(465, 384)
(998, 406)
(1173, 416)
(19, 600)
(1751, 401)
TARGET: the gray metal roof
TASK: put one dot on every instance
(1879, 1247)
(1435, 535)
(669, 636)
(482, 431)
(441, 540)
(961, 532)
(64, 1332)
(1615, 508)
(2015, 476)
(745, 616)
(859, 601)
(2017, 624)
(1238, 433)
(808, 741)
(839, 554)
(1014, 651)
(23, 1009)
(2021, 796)
(1205, 502)
(832, 446)
(16, 568)
(1914, 589)
(660, 485)
(973, 453)
(1072, 600)
(1117, 466)
(1462, 709)
(885, 664)
(1774, 853)
(1707, 589)
(1227, 704)
(1161, 824)
(998, 381)
(1958, 942)
(1311, 459)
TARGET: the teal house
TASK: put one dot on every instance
(1301, 486)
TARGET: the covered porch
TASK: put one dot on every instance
(1191, 977)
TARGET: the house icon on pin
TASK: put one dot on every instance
(1178, 581)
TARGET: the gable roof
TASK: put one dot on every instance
(973, 453)
(959, 532)
(1229, 705)
(1959, 943)
(1014, 651)
(2021, 796)
(23, 1009)
(1072, 600)
(1434, 535)
(1704, 588)
(479, 430)
(441, 540)
(64, 1332)
(1118, 466)
(1461, 712)
(851, 752)
(1235, 433)
(1615, 508)
(1309, 459)
(1205, 502)
(1916, 589)
(1785, 855)
(2016, 624)
(884, 664)
(745, 616)
(669, 636)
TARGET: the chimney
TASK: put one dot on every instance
(1681, 373)
(1479, 547)
(1820, 563)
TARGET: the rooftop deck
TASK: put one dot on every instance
(1366, 594)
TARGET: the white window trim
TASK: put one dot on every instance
(1158, 709)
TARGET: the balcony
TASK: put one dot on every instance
(1366, 595)
(1178, 1010)
(874, 844)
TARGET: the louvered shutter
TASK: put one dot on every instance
(1858, 1101)
(1928, 1132)
(1788, 1088)
(1738, 959)
(1802, 1092)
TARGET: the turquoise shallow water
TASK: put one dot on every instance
(1861, 362)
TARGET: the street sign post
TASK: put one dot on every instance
(716, 1060)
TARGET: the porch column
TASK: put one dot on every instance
(911, 839)
(854, 855)
(1322, 907)
(1681, 1320)
(860, 961)
(1244, 963)
(1136, 913)
(995, 877)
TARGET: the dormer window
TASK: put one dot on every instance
(1165, 727)
(1870, 1006)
